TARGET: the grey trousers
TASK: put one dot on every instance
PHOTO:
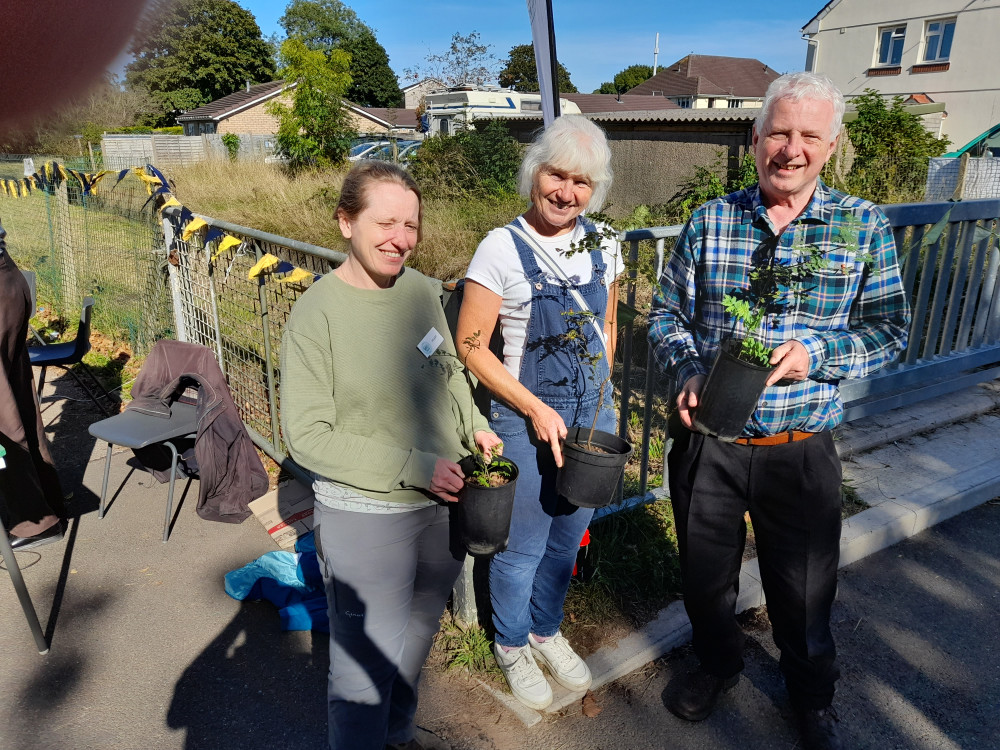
(388, 578)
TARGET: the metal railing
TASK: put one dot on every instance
(241, 319)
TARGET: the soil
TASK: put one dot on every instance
(590, 448)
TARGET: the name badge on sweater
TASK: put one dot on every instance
(430, 343)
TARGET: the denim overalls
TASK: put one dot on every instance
(528, 581)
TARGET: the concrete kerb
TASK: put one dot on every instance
(863, 534)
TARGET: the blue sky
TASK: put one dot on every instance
(594, 38)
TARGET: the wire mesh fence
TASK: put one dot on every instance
(242, 318)
(107, 244)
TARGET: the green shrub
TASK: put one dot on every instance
(469, 163)
(232, 143)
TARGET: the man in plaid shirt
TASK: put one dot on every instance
(852, 320)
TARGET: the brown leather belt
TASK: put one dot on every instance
(792, 436)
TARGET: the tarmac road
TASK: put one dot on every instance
(918, 631)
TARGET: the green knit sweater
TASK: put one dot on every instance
(360, 404)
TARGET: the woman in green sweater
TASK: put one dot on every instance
(381, 430)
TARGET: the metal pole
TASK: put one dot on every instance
(553, 60)
(175, 284)
(18, 580)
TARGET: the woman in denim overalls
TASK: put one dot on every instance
(540, 388)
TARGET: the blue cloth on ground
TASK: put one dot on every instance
(290, 581)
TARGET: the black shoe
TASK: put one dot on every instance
(819, 729)
(52, 534)
(699, 694)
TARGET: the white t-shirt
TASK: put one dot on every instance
(497, 266)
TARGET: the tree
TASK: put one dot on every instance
(374, 83)
(326, 25)
(520, 72)
(321, 24)
(891, 149)
(191, 52)
(316, 129)
(467, 60)
(626, 79)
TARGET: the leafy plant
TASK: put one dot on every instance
(576, 337)
(708, 183)
(232, 143)
(891, 149)
(468, 648)
(486, 473)
(316, 130)
(774, 285)
(479, 163)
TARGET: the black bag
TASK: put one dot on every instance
(451, 298)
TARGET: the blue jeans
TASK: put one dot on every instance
(529, 580)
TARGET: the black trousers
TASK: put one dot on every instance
(793, 494)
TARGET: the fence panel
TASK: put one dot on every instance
(107, 244)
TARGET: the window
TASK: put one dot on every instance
(734, 103)
(890, 47)
(937, 40)
(684, 102)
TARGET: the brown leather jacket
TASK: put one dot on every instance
(224, 458)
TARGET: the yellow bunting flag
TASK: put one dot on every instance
(265, 264)
(225, 243)
(193, 226)
(171, 201)
(296, 277)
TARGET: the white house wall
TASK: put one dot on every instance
(847, 47)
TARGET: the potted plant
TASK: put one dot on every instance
(486, 501)
(593, 460)
(742, 366)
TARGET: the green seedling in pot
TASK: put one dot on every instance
(486, 474)
(575, 337)
(773, 285)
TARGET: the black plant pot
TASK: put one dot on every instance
(589, 479)
(730, 394)
(484, 512)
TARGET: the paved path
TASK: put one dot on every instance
(148, 653)
(918, 630)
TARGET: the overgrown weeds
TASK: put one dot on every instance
(301, 206)
(469, 648)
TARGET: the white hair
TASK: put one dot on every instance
(573, 144)
(799, 86)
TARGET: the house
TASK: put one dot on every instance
(244, 112)
(240, 112)
(711, 81)
(594, 103)
(382, 121)
(940, 51)
(414, 94)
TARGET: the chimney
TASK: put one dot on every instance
(248, 87)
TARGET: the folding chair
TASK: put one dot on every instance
(136, 430)
(71, 353)
(18, 580)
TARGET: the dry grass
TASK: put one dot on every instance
(300, 206)
(266, 197)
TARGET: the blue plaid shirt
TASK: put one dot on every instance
(853, 320)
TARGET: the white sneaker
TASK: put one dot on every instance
(563, 663)
(526, 680)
